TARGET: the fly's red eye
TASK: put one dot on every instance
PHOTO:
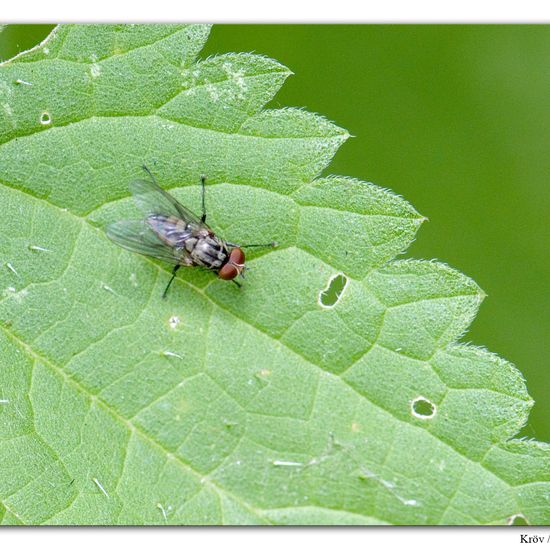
(228, 272)
(234, 265)
(237, 257)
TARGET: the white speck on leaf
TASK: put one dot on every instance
(101, 488)
(11, 268)
(174, 321)
(237, 75)
(17, 296)
(212, 92)
(171, 354)
(108, 289)
(9, 114)
(389, 485)
(95, 70)
(38, 248)
(161, 508)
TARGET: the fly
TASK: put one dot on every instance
(174, 234)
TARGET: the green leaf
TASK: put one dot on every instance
(330, 389)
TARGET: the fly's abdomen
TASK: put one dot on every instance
(170, 230)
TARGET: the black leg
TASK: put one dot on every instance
(271, 245)
(237, 283)
(150, 174)
(174, 271)
(203, 181)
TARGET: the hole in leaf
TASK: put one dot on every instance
(229, 423)
(423, 408)
(45, 118)
(334, 290)
(517, 519)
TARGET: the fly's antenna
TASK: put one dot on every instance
(150, 174)
(203, 182)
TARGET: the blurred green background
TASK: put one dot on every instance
(454, 118)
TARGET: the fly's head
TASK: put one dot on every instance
(234, 266)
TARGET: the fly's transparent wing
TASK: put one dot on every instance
(137, 236)
(152, 199)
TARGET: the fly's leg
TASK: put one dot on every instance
(174, 271)
(237, 283)
(149, 173)
(267, 245)
(203, 181)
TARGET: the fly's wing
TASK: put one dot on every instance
(137, 236)
(152, 199)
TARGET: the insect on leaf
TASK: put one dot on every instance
(270, 404)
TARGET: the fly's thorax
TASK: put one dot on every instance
(208, 251)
